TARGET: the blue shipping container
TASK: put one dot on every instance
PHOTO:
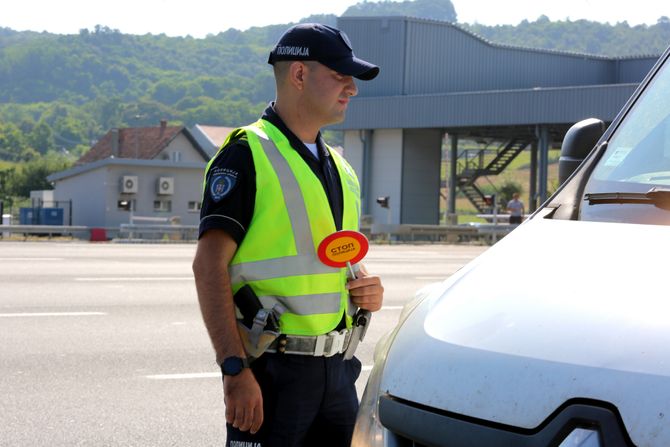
(28, 216)
(41, 216)
(51, 216)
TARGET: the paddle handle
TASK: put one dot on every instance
(351, 270)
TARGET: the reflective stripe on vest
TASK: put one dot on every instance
(277, 257)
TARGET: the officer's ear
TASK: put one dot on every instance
(296, 74)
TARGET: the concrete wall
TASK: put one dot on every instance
(187, 187)
(353, 152)
(86, 192)
(95, 194)
(421, 176)
(386, 174)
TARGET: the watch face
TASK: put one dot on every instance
(232, 366)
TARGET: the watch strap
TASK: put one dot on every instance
(237, 363)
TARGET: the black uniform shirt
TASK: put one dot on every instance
(230, 192)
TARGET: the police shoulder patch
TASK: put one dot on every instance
(222, 183)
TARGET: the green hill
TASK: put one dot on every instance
(61, 92)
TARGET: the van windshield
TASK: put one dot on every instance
(637, 160)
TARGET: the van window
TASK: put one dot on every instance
(637, 159)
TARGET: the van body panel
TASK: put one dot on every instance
(534, 313)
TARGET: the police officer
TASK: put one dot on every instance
(271, 194)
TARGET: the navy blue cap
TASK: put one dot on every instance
(324, 44)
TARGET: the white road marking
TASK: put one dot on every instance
(32, 259)
(210, 375)
(392, 307)
(137, 278)
(184, 376)
(51, 314)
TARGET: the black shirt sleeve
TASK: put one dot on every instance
(230, 191)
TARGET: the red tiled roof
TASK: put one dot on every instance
(143, 143)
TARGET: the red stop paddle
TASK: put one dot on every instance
(343, 248)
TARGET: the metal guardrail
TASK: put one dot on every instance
(449, 233)
(157, 232)
(403, 232)
(499, 217)
(125, 231)
(48, 230)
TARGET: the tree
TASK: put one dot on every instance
(41, 138)
(168, 91)
(33, 175)
(12, 141)
(506, 190)
(6, 184)
(427, 9)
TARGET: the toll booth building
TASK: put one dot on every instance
(151, 172)
(442, 85)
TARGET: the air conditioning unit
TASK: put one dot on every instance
(165, 186)
(129, 184)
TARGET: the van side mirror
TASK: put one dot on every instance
(578, 142)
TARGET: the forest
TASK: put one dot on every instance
(60, 93)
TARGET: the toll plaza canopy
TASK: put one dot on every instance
(438, 78)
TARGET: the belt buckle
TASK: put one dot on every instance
(337, 340)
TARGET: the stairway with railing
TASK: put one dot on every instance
(471, 168)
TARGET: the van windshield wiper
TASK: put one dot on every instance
(659, 197)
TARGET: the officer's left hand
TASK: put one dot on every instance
(366, 291)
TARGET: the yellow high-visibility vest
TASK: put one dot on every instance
(278, 256)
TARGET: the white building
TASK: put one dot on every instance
(146, 172)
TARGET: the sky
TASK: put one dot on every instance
(198, 18)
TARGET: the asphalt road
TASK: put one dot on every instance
(103, 344)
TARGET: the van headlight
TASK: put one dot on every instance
(369, 431)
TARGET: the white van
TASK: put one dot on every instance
(558, 335)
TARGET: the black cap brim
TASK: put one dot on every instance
(353, 66)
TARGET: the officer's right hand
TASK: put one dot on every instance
(244, 401)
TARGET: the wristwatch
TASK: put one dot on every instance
(232, 366)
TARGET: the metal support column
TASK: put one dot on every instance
(366, 139)
(451, 196)
(532, 191)
(542, 133)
